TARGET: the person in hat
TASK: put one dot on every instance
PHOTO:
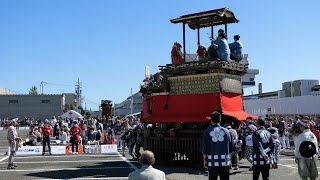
(236, 53)
(262, 152)
(13, 140)
(306, 149)
(46, 133)
(216, 147)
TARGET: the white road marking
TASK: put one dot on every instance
(61, 169)
(52, 162)
(127, 161)
(106, 178)
(64, 156)
(4, 158)
(113, 178)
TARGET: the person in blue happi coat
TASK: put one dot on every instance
(262, 152)
(236, 53)
(216, 148)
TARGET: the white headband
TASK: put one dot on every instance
(302, 123)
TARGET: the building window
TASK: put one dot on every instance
(251, 79)
(45, 101)
(13, 101)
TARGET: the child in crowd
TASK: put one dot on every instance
(237, 144)
(249, 144)
(275, 138)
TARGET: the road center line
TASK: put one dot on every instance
(51, 162)
(4, 158)
(106, 178)
(60, 169)
(127, 161)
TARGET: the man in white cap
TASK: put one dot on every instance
(13, 140)
(306, 149)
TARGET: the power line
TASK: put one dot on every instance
(59, 84)
(92, 102)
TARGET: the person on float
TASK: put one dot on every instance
(176, 54)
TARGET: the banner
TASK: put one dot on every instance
(58, 150)
(29, 150)
(90, 149)
(109, 149)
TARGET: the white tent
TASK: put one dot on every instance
(71, 114)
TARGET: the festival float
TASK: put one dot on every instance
(178, 100)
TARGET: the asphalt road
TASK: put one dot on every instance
(99, 166)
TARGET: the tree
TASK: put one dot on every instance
(33, 90)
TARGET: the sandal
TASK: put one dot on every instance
(11, 167)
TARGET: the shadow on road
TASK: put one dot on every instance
(100, 170)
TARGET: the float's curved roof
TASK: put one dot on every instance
(207, 18)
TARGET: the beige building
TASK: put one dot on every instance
(5, 91)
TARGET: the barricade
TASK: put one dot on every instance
(109, 149)
(69, 149)
(66, 150)
(58, 150)
(29, 151)
(92, 149)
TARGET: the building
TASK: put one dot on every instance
(296, 97)
(35, 106)
(5, 91)
(127, 107)
(70, 101)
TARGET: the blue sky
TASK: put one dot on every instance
(107, 44)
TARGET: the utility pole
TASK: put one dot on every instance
(79, 92)
(42, 85)
(131, 105)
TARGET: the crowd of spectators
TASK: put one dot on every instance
(126, 132)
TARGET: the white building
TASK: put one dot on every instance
(125, 107)
(296, 97)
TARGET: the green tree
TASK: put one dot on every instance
(33, 90)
